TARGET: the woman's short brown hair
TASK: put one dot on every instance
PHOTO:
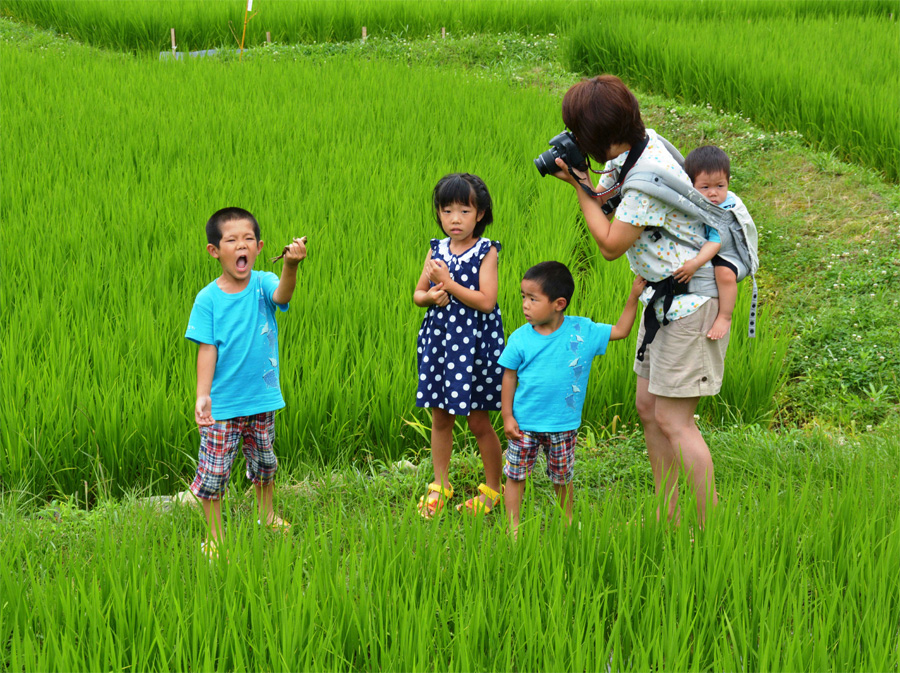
(602, 112)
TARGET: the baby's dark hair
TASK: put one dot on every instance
(555, 280)
(467, 189)
(708, 159)
(220, 217)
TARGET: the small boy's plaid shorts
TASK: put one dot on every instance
(218, 448)
(521, 455)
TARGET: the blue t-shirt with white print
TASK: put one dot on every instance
(243, 329)
(553, 372)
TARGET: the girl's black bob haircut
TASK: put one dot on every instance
(467, 189)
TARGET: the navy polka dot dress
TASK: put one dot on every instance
(459, 345)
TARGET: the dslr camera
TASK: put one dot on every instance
(565, 147)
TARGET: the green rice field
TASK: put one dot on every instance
(771, 584)
(824, 69)
(114, 159)
(98, 378)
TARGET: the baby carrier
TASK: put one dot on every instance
(740, 241)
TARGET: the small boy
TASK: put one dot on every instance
(549, 359)
(709, 169)
(233, 321)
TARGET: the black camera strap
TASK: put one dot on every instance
(633, 155)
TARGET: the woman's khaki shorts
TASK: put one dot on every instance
(681, 361)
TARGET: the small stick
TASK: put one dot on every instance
(173, 43)
(268, 37)
(443, 32)
(284, 252)
(364, 34)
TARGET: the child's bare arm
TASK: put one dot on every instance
(207, 357)
(427, 294)
(507, 395)
(687, 271)
(293, 254)
(485, 298)
(623, 325)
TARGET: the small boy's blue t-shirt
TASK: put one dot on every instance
(711, 234)
(243, 329)
(553, 372)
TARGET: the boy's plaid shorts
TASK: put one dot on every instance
(521, 455)
(218, 449)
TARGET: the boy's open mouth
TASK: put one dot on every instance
(241, 263)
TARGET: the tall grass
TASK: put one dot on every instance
(114, 168)
(144, 26)
(834, 81)
(825, 69)
(787, 576)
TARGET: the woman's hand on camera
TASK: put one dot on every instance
(564, 175)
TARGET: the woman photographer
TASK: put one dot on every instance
(681, 365)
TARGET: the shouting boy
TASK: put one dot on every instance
(238, 391)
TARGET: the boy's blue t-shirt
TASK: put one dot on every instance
(553, 372)
(711, 234)
(243, 329)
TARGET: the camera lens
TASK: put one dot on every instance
(546, 162)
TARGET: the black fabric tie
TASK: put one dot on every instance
(666, 289)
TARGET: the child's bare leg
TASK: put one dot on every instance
(565, 493)
(265, 497)
(512, 500)
(726, 282)
(213, 511)
(489, 445)
(441, 448)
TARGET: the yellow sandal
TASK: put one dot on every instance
(428, 507)
(476, 506)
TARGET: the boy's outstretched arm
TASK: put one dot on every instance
(623, 325)
(507, 395)
(293, 254)
(207, 357)
(685, 272)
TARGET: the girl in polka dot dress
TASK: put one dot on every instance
(461, 338)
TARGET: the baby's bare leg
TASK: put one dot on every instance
(726, 282)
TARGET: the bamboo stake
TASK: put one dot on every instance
(268, 37)
(246, 21)
(173, 43)
(364, 34)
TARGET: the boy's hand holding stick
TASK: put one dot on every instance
(293, 252)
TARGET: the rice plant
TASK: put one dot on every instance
(786, 576)
(118, 165)
(144, 26)
(833, 80)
